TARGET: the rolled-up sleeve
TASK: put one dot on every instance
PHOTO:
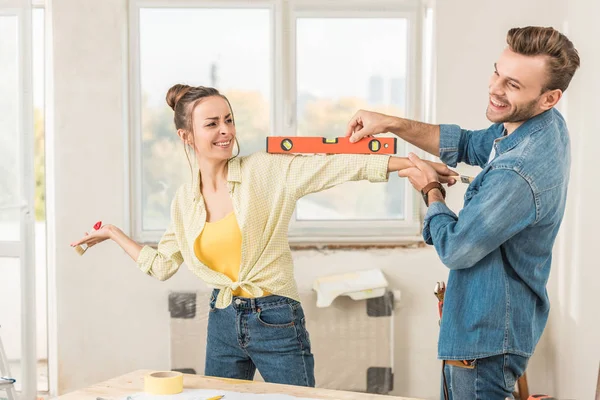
(503, 206)
(471, 147)
(377, 168)
(449, 141)
(164, 261)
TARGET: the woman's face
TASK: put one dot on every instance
(214, 130)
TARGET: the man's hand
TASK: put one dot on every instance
(367, 123)
(445, 174)
(422, 173)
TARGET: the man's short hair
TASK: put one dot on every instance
(562, 56)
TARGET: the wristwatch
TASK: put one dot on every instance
(429, 187)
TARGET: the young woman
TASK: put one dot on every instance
(230, 227)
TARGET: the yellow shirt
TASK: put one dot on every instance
(219, 247)
(264, 189)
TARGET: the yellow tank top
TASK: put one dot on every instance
(219, 247)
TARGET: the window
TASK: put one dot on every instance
(288, 68)
(10, 194)
(346, 61)
(22, 108)
(328, 47)
(189, 45)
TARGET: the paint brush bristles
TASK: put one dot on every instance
(80, 249)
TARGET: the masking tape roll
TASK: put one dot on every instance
(167, 382)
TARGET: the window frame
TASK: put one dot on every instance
(23, 249)
(284, 14)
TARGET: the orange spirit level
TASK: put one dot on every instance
(340, 145)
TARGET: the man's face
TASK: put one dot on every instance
(516, 88)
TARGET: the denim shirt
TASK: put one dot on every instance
(499, 247)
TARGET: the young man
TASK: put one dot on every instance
(499, 248)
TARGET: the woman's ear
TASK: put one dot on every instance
(185, 136)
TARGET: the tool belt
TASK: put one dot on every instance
(469, 364)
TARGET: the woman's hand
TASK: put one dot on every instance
(96, 236)
(115, 234)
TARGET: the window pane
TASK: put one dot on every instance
(10, 320)
(343, 65)
(10, 316)
(9, 129)
(224, 48)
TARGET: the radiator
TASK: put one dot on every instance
(352, 341)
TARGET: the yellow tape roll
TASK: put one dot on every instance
(167, 382)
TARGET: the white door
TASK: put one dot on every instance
(17, 259)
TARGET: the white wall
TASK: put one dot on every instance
(100, 314)
(110, 318)
(574, 327)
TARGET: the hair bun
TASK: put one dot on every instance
(175, 93)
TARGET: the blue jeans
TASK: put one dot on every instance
(268, 333)
(492, 378)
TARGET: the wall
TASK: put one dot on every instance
(110, 319)
(574, 328)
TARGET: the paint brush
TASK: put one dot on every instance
(80, 249)
(464, 178)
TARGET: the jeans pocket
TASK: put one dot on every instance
(513, 368)
(276, 317)
(305, 332)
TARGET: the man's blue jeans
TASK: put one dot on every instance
(268, 333)
(492, 378)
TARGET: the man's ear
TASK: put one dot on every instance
(550, 99)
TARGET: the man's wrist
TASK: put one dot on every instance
(434, 195)
(394, 124)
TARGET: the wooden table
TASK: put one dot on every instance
(117, 388)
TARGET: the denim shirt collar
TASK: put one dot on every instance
(526, 129)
